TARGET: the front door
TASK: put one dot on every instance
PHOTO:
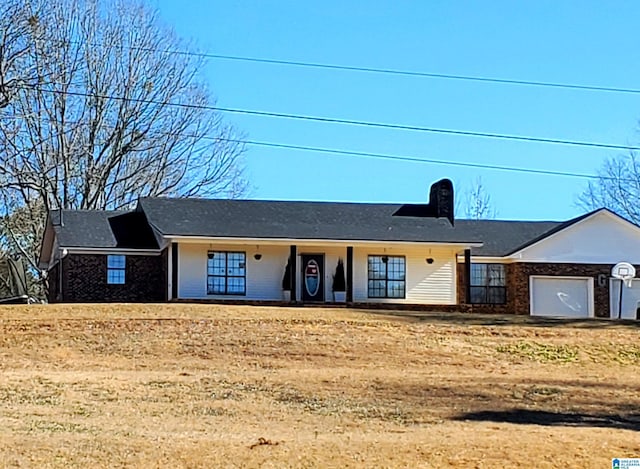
(313, 277)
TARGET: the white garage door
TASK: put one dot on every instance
(630, 299)
(565, 297)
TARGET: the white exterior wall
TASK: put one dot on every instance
(425, 283)
(264, 277)
(600, 239)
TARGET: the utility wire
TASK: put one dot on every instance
(371, 155)
(389, 71)
(332, 120)
(418, 160)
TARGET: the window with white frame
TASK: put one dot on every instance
(488, 284)
(386, 277)
(226, 273)
(116, 266)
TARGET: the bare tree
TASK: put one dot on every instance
(617, 187)
(18, 25)
(477, 202)
(110, 113)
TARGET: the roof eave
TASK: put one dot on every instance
(274, 240)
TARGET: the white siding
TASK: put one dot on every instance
(602, 238)
(264, 276)
(425, 283)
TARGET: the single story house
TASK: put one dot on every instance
(412, 256)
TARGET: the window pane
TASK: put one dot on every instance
(478, 294)
(377, 288)
(216, 263)
(115, 262)
(395, 268)
(377, 269)
(216, 285)
(496, 275)
(479, 274)
(377, 273)
(115, 276)
(496, 295)
(235, 285)
(395, 289)
(235, 263)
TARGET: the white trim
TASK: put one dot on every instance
(116, 251)
(508, 260)
(590, 289)
(307, 242)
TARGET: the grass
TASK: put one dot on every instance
(544, 353)
(228, 386)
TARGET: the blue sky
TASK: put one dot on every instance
(577, 42)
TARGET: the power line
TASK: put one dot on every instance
(389, 71)
(414, 159)
(465, 133)
(382, 156)
(521, 138)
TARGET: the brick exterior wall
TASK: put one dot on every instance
(517, 276)
(85, 280)
(507, 308)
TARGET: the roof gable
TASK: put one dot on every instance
(597, 237)
(102, 229)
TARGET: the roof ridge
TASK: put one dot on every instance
(283, 201)
(93, 210)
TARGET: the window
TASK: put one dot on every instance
(488, 284)
(116, 266)
(386, 277)
(226, 273)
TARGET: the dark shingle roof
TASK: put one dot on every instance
(296, 220)
(503, 237)
(102, 229)
(293, 220)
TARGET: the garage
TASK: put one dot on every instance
(630, 299)
(564, 297)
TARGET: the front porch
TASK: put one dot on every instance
(253, 272)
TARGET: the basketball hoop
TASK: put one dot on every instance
(624, 272)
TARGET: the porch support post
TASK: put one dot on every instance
(174, 271)
(467, 276)
(293, 255)
(349, 274)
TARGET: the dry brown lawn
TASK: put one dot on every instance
(226, 386)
